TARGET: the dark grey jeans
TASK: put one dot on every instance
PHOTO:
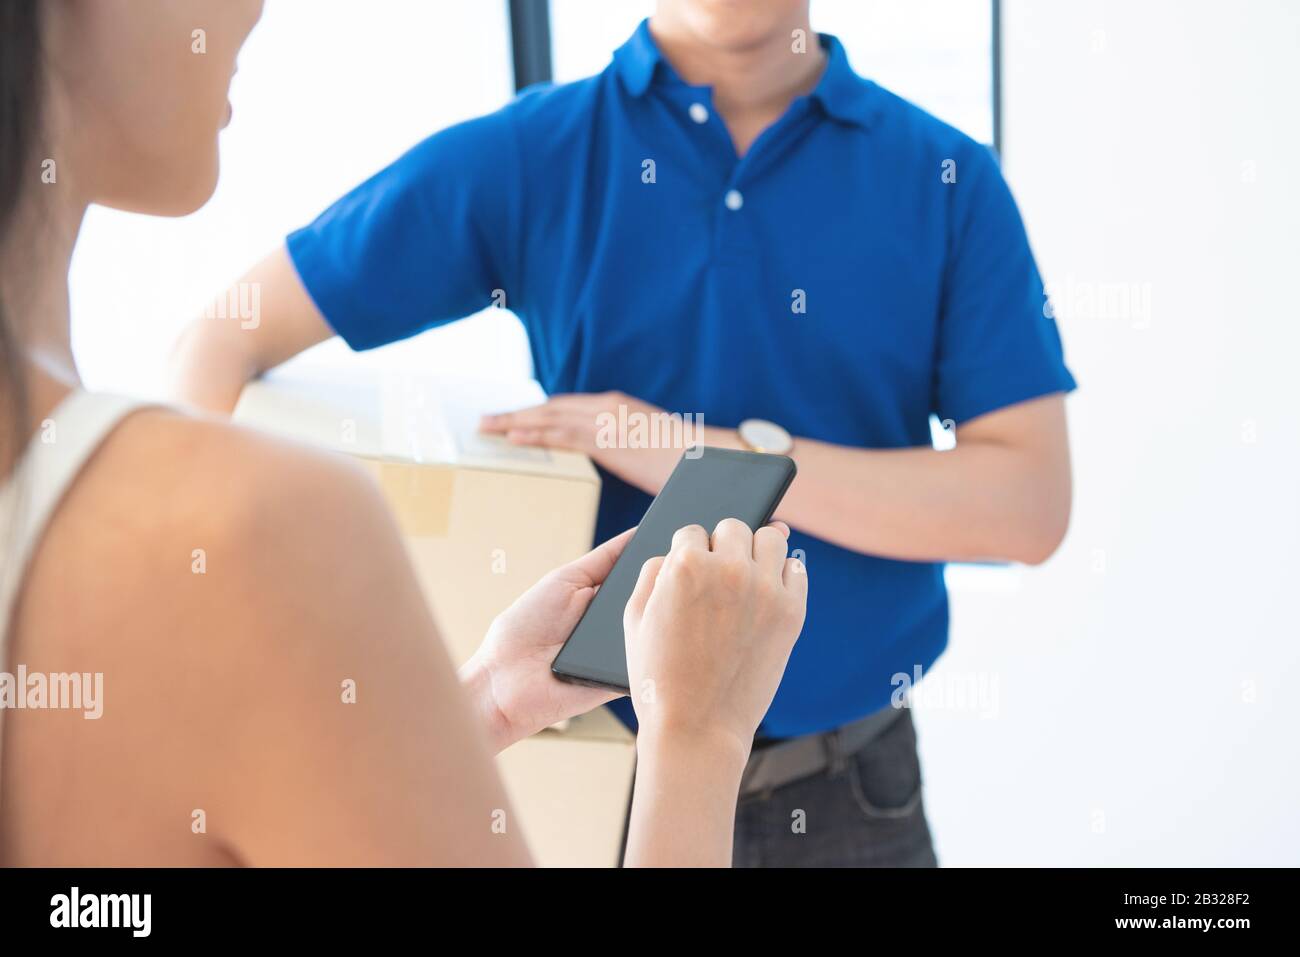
(867, 812)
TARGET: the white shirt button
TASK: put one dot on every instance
(733, 199)
(699, 113)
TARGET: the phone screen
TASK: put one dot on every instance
(703, 490)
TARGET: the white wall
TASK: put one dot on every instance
(328, 92)
(1146, 678)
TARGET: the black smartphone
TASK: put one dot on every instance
(708, 485)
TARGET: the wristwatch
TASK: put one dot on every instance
(760, 435)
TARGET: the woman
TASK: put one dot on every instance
(228, 587)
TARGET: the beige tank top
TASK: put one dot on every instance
(36, 487)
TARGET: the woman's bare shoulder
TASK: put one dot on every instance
(258, 627)
(187, 533)
(192, 474)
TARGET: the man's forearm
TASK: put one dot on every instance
(264, 319)
(210, 365)
(1002, 494)
(977, 501)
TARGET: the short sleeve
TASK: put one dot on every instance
(431, 238)
(997, 343)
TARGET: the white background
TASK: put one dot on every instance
(1148, 673)
(328, 92)
(1140, 688)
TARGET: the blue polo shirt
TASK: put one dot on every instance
(862, 267)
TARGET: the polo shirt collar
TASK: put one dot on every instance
(840, 92)
(637, 59)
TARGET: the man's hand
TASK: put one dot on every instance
(642, 454)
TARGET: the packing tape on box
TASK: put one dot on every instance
(412, 423)
(413, 437)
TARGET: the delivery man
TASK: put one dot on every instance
(730, 222)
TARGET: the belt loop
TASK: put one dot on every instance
(834, 751)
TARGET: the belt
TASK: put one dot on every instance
(773, 764)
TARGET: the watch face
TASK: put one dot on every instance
(764, 436)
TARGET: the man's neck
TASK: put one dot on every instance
(752, 86)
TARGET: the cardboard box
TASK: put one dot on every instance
(483, 520)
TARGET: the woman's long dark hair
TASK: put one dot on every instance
(20, 111)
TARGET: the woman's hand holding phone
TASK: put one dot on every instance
(677, 635)
(509, 678)
(709, 630)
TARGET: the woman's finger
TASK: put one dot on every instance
(594, 567)
(690, 537)
(795, 576)
(645, 585)
(733, 537)
(770, 546)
